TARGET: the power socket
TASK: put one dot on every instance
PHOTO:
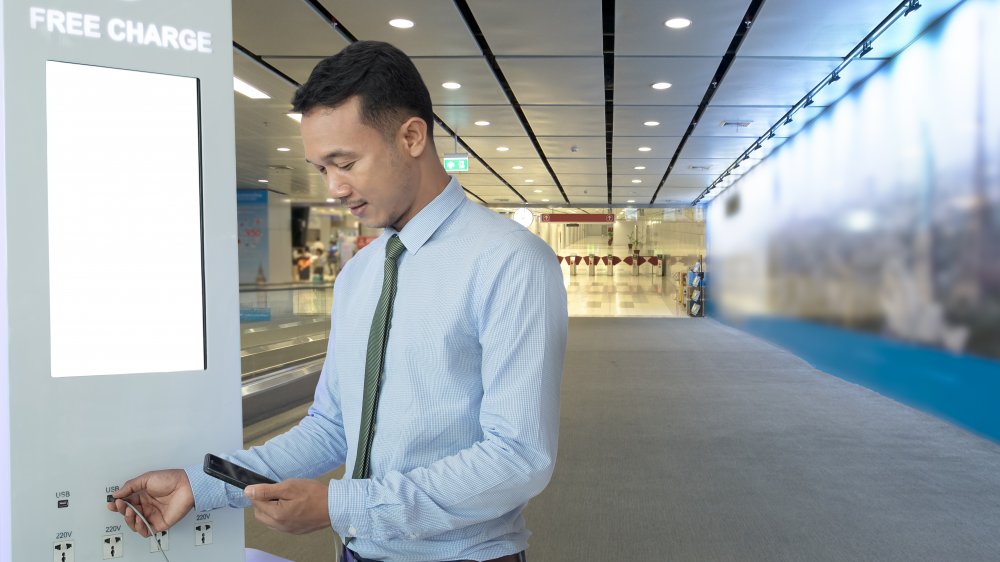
(63, 552)
(203, 534)
(159, 541)
(114, 546)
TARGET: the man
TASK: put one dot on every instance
(441, 462)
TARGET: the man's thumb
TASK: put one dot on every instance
(261, 492)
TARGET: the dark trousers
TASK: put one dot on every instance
(351, 556)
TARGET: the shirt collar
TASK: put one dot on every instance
(425, 223)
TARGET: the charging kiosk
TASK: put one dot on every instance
(119, 334)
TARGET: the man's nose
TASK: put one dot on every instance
(337, 188)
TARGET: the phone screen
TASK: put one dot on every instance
(233, 473)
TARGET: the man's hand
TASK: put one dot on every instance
(163, 496)
(294, 506)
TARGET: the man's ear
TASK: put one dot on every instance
(413, 135)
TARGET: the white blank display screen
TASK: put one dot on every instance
(125, 236)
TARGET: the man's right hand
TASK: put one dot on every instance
(163, 497)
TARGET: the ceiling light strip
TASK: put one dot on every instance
(860, 50)
(734, 46)
(491, 60)
(608, 7)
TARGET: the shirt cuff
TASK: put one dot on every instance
(346, 500)
(212, 493)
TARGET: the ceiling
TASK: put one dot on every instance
(566, 87)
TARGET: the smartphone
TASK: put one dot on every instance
(233, 473)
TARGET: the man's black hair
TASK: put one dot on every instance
(388, 85)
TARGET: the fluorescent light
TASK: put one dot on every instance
(529, 181)
(639, 168)
(538, 191)
(283, 149)
(677, 23)
(451, 85)
(482, 123)
(636, 181)
(401, 23)
(262, 181)
(517, 167)
(295, 116)
(661, 85)
(651, 123)
(248, 90)
(502, 149)
(644, 149)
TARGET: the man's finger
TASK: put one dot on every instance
(263, 492)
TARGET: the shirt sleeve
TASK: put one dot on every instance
(313, 447)
(522, 323)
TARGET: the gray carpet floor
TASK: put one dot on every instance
(688, 440)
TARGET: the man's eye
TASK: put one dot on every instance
(321, 170)
(346, 166)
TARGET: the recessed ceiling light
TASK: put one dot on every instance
(483, 123)
(651, 123)
(283, 149)
(295, 116)
(401, 23)
(502, 149)
(248, 90)
(639, 168)
(677, 23)
(538, 191)
(451, 85)
(661, 85)
(529, 181)
(631, 201)
(636, 181)
(517, 167)
(545, 200)
(331, 200)
(644, 149)
(262, 181)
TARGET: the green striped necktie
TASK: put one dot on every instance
(376, 356)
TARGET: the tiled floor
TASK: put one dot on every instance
(623, 294)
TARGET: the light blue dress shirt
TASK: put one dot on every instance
(467, 422)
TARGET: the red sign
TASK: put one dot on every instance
(570, 217)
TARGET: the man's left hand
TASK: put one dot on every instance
(294, 506)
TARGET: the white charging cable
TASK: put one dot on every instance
(152, 533)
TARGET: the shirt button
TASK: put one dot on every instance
(352, 531)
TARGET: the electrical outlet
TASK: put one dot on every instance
(203, 534)
(159, 541)
(113, 546)
(63, 551)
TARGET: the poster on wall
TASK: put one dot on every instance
(251, 216)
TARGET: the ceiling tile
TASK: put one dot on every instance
(461, 119)
(565, 120)
(573, 147)
(255, 23)
(628, 147)
(579, 30)
(544, 80)
(689, 78)
(438, 30)
(640, 29)
(673, 120)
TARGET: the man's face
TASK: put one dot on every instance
(374, 177)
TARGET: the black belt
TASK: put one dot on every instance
(351, 556)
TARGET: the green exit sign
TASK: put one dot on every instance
(456, 162)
